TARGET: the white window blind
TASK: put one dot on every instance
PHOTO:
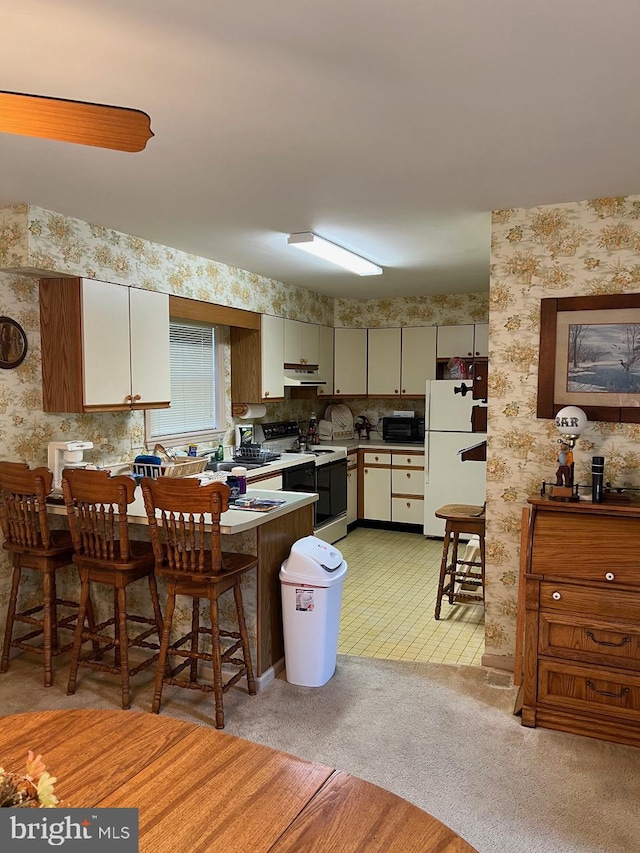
(193, 392)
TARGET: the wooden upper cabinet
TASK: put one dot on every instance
(383, 362)
(301, 341)
(105, 347)
(272, 357)
(418, 359)
(350, 367)
(325, 360)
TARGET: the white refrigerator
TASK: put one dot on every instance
(449, 480)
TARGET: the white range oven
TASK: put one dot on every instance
(322, 470)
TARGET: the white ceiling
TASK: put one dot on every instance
(391, 128)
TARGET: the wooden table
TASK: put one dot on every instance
(199, 790)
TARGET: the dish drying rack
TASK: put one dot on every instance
(254, 453)
(171, 465)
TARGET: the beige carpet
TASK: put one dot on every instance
(443, 737)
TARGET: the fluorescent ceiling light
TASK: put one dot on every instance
(314, 245)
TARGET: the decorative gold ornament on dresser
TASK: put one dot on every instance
(581, 662)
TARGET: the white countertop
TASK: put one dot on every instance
(232, 521)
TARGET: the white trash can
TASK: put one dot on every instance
(311, 580)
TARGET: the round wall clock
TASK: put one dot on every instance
(13, 343)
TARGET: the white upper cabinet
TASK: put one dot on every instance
(325, 360)
(272, 356)
(105, 347)
(418, 359)
(401, 360)
(481, 340)
(455, 341)
(383, 357)
(150, 346)
(350, 367)
(300, 342)
(125, 337)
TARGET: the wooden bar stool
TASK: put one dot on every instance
(193, 564)
(27, 537)
(97, 508)
(461, 579)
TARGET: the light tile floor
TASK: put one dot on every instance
(389, 598)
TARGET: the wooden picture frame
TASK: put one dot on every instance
(13, 344)
(557, 316)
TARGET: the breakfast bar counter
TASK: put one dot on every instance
(269, 536)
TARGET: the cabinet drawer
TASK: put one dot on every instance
(371, 458)
(601, 642)
(352, 460)
(407, 511)
(407, 482)
(589, 689)
(610, 555)
(408, 460)
(595, 601)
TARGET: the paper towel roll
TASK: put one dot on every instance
(253, 411)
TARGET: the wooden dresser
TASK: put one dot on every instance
(581, 662)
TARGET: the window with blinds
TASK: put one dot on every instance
(194, 410)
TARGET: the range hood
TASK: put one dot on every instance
(302, 376)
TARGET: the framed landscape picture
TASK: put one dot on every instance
(590, 357)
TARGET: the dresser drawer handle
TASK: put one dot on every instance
(622, 693)
(610, 576)
(624, 641)
(556, 596)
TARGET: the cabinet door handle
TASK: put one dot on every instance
(137, 397)
(404, 390)
(409, 504)
(128, 398)
(396, 391)
(610, 576)
(623, 642)
(266, 393)
(622, 693)
(337, 390)
(556, 596)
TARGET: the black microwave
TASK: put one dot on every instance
(404, 430)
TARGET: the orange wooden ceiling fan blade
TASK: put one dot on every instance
(118, 128)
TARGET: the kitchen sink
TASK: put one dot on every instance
(227, 466)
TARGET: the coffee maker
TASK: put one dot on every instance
(65, 454)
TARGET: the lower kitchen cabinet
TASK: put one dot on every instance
(376, 482)
(581, 664)
(407, 487)
(393, 486)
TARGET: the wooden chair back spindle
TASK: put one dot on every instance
(23, 510)
(180, 542)
(97, 508)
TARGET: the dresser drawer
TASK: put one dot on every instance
(601, 642)
(593, 548)
(589, 689)
(594, 601)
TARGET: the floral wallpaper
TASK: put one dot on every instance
(445, 310)
(582, 248)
